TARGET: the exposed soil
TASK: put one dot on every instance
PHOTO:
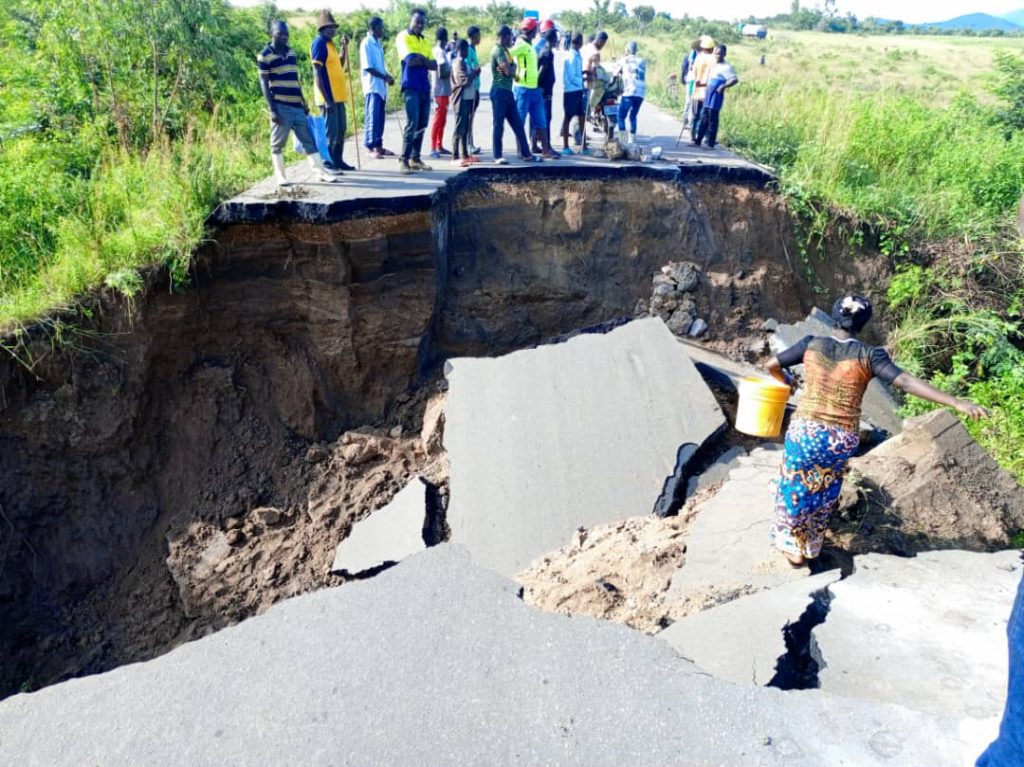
(184, 460)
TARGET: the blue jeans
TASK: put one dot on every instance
(503, 107)
(1007, 750)
(530, 101)
(417, 115)
(629, 105)
(374, 111)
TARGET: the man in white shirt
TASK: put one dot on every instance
(375, 80)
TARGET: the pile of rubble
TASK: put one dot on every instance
(673, 297)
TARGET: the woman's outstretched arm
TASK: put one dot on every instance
(919, 388)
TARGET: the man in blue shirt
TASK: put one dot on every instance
(722, 76)
(375, 80)
(574, 97)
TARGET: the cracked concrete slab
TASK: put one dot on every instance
(544, 441)
(928, 632)
(390, 534)
(728, 553)
(878, 407)
(337, 677)
(741, 641)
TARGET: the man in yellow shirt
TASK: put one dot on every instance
(330, 86)
(529, 97)
(416, 58)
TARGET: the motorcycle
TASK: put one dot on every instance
(604, 103)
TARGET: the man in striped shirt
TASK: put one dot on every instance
(279, 81)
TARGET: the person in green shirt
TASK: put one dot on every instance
(503, 103)
(528, 95)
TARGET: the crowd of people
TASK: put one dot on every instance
(442, 75)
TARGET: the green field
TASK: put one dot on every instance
(124, 124)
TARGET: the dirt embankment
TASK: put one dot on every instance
(135, 457)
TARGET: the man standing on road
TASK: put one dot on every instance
(417, 61)
(574, 98)
(375, 80)
(473, 62)
(330, 88)
(702, 67)
(634, 87)
(503, 103)
(442, 93)
(279, 81)
(546, 72)
(722, 76)
(529, 98)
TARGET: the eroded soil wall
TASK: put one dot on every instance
(204, 405)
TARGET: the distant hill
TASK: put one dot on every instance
(979, 21)
(1017, 17)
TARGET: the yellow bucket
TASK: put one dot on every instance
(762, 406)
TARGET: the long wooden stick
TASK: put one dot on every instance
(352, 101)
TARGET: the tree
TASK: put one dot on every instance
(1010, 90)
(599, 14)
(644, 15)
(502, 12)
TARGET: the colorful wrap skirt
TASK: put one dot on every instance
(809, 483)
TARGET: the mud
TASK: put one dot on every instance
(135, 451)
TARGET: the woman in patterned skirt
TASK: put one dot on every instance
(824, 431)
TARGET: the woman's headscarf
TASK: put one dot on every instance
(851, 313)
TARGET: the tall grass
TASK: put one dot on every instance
(128, 210)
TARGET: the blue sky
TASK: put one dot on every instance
(911, 11)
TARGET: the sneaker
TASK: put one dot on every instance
(435, 155)
(475, 150)
(403, 168)
(500, 161)
(568, 152)
(345, 166)
(471, 160)
(328, 177)
(442, 151)
(417, 164)
(552, 155)
(531, 158)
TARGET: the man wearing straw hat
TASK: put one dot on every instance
(330, 87)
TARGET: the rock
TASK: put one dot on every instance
(698, 328)
(342, 670)
(317, 454)
(741, 641)
(663, 279)
(235, 537)
(432, 433)
(686, 276)
(233, 523)
(555, 411)
(266, 515)
(758, 347)
(878, 407)
(928, 632)
(680, 321)
(770, 325)
(663, 289)
(640, 309)
(728, 551)
(932, 486)
(396, 432)
(687, 304)
(389, 534)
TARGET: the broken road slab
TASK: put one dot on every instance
(878, 406)
(337, 677)
(389, 534)
(927, 631)
(728, 553)
(741, 641)
(547, 440)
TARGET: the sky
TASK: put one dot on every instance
(910, 11)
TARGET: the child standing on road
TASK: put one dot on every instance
(463, 99)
